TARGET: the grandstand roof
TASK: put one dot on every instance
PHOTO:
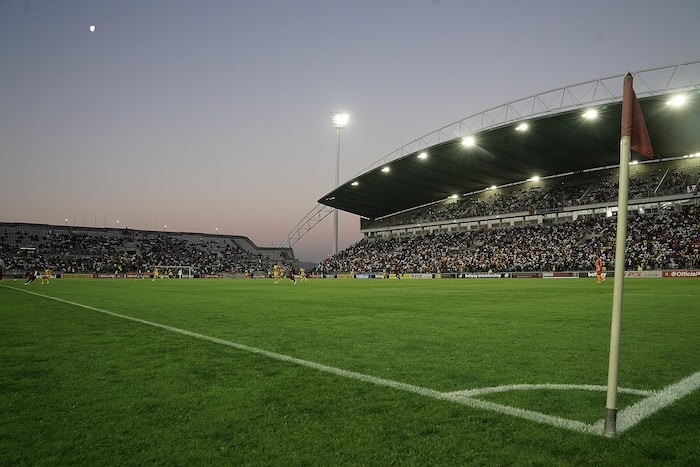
(559, 140)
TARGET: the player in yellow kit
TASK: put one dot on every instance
(46, 276)
(276, 272)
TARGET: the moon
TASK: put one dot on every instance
(92, 28)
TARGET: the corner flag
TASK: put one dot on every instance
(633, 124)
(634, 135)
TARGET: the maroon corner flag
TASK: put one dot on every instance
(634, 136)
(633, 121)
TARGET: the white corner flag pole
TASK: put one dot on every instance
(615, 327)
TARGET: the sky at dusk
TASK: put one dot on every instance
(213, 116)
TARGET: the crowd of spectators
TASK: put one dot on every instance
(555, 194)
(667, 240)
(65, 250)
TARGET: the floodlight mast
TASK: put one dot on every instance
(339, 121)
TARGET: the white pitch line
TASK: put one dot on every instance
(627, 418)
(635, 413)
(530, 387)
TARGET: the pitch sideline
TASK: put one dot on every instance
(653, 401)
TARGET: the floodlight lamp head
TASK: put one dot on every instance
(468, 141)
(590, 114)
(678, 100)
(340, 119)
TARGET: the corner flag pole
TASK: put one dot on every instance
(618, 288)
(634, 135)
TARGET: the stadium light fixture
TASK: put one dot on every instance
(386, 169)
(590, 114)
(355, 183)
(468, 141)
(423, 155)
(339, 121)
(522, 127)
(678, 100)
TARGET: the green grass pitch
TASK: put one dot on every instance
(345, 372)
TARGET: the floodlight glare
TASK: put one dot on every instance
(590, 114)
(468, 141)
(423, 155)
(355, 183)
(340, 119)
(385, 169)
(522, 127)
(678, 100)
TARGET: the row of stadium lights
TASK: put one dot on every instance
(165, 226)
(590, 114)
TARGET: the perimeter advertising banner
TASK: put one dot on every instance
(482, 275)
(681, 273)
(642, 274)
(364, 276)
(417, 276)
(526, 274)
(592, 274)
(560, 275)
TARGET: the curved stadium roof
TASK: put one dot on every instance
(559, 140)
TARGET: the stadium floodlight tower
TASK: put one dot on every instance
(340, 121)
